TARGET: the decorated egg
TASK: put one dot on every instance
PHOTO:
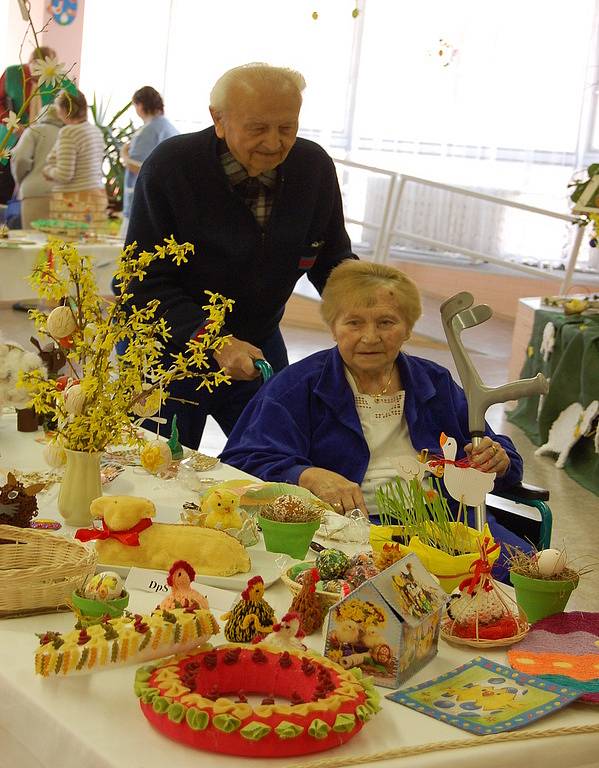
(54, 454)
(551, 562)
(155, 456)
(74, 400)
(331, 564)
(61, 322)
(147, 406)
(334, 585)
(361, 568)
(103, 586)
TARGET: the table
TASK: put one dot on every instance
(94, 721)
(17, 261)
(573, 371)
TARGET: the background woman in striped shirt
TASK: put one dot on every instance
(75, 164)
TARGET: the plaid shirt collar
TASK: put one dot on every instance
(237, 174)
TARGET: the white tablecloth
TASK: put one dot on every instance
(17, 261)
(95, 722)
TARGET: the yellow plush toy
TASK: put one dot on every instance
(129, 537)
(221, 509)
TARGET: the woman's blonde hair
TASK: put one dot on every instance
(355, 283)
(252, 76)
(73, 103)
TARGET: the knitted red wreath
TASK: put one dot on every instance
(197, 700)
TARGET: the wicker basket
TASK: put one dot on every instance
(482, 643)
(327, 599)
(39, 570)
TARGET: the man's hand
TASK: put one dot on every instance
(237, 358)
(342, 494)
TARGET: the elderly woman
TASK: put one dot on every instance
(336, 422)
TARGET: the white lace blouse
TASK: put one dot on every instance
(386, 433)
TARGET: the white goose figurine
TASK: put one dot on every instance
(465, 484)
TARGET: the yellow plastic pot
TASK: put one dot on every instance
(449, 569)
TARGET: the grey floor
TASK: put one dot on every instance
(575, 510)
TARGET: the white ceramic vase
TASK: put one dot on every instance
(80, 485)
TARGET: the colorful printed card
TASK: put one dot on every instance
(484, 697)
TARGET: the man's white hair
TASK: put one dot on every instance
(252, 76)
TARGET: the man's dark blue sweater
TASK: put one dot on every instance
(182, 190)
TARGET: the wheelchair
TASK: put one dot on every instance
(523, 509)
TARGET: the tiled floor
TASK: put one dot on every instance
(575, 510)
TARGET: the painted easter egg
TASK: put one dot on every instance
(61, 322)
(103, 586)
(155, 456)
(551, 562)
(147, 406)
(331, 564)
(54, 454)
(74, 400)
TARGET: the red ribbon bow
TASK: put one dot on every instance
(439, 461)
(130, 538)
(481, 566)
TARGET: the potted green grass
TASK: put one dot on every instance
(417, 519)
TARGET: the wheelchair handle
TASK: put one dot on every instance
(265, 369)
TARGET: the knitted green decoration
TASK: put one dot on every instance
(173, 441)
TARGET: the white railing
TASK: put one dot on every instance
(387, 229)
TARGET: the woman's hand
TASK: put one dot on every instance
(342, 494)
(488, 456)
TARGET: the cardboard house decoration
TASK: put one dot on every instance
(389, 625)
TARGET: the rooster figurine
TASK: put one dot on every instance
(179, 579)
(307, 604)
(252, 615)
(286, 635)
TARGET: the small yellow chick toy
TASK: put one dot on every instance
(575, 306)
(221, 509)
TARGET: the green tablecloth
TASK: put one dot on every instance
(573, 370)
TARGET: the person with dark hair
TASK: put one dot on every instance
(74, 165)
(149, 106)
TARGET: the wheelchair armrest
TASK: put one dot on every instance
(524, 491)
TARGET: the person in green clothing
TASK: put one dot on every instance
(17, 84)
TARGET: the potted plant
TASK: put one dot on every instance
(288, 525)
(114, 138)
(95, 404)
(416, 519)
(543, 581)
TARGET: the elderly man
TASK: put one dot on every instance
(261, 207)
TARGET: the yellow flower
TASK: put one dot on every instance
(112, 384)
